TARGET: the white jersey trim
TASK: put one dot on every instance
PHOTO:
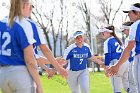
(27, 29)
(133, 30)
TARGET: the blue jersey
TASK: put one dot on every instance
(132, 52)
(14, 40)
(135, 35)
(112, 50)
(38, 36)
(77, 57)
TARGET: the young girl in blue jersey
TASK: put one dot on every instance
(112, 51)
(134, 42)
(18, 68)
(125, 30)
(77, 54)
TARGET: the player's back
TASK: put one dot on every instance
(112, 46)
(12, 42)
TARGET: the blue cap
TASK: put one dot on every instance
(78, 33)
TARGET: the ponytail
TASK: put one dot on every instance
(114, 34)
(15, 10)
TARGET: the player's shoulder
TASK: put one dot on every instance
(109, 40)
(23, 23)
(4, 23)
(72, 46)
(135, 25)
(30, 21)
(86, 45)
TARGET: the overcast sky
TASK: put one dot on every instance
(93, 5)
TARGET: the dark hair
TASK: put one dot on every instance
(136, 5)
(114, 34)
(128, 23)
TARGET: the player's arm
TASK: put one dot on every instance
(32, 66)
(61, 61)
(96, 60)
(42, 60)
(47, 52)
(126, 53)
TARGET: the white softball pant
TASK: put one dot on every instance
(132, 84)
(121, 78)
(79, 80)
(16, 79)
(137, 72)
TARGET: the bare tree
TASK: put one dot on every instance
(106, 8)
(51, 22)
(109, 15)
(39, 19)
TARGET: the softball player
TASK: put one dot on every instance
(132, 85)
(134, 42)
(18, 69)
(112, 51)
(41, 42)
(41, 61)
(78, 54)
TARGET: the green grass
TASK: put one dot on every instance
(98, 84)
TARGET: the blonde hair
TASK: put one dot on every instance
(15, 10)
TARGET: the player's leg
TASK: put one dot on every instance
(137, 72)
(116, 80)
(116, 83)
(123, 72)
(73, 81)
(132, 84)
(84, 81)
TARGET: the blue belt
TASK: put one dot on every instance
(4, 65)
(74, 70)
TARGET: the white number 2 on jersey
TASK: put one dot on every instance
(118, 49)
(3, 50)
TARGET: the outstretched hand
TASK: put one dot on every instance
(63, 72)
(106, 71)
(51, 72)
(61, 61)
(113, 70)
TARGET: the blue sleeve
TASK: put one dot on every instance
(89, 54)
(107, 59)
(137, 38)
(24, 35)
(69, 55)
(35, 34)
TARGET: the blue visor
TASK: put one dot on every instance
(78, 33)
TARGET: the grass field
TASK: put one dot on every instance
(98, 84)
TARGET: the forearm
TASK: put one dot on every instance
(32, 68)
(124, 57)
(47, 52)
(97, 61)
(31, 65)
(42, 60)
